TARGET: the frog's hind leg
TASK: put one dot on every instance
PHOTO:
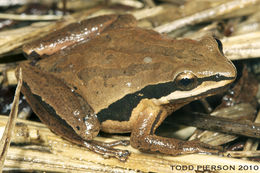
(150, 116)
(65, 112)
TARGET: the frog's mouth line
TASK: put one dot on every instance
(204, 89)
(207, 93)
(121, 110)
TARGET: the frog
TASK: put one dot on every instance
(120, 78)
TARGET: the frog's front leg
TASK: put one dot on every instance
(143, 137)
(65, 112)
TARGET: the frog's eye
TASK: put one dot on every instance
(186, 81)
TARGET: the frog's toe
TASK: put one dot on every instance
(118, 143)
(122, 155)
(125, 142)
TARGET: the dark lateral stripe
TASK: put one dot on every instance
(215, 78)
(206, 93)
(122, 109)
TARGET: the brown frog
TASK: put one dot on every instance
(113, 76)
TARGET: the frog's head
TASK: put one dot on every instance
(205, 71)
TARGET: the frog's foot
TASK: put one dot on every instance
(107, 152)
(114, 143)
(195, 146)
(174, 146)
(143, 137)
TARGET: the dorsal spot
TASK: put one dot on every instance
(148, 59)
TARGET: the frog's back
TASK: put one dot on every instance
(115, 67)
(117, 63)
